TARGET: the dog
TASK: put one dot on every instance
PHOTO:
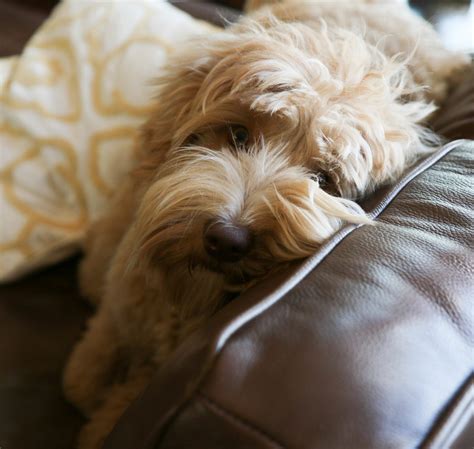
(262, 139)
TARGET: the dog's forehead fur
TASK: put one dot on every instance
(333, 97)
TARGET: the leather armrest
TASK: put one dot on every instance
(367, 344)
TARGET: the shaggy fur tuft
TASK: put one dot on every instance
(273, 127)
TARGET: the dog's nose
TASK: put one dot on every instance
(227, 242)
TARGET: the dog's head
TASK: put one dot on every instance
(262, 137)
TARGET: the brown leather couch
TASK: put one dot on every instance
(367, 345)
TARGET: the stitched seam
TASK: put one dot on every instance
(416, 171)
(237, 420)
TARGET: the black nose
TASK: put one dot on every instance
(227, 242)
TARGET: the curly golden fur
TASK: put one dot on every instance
(321, 93)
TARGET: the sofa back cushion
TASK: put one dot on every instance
(367, 344)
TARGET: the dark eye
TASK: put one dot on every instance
(323, 179)
(192, 139)
(238, 136)
(327, 182)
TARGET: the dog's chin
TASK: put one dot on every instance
(232, 272)
(226, 269)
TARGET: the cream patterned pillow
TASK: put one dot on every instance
(69, 109)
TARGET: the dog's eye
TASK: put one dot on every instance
(323, 179)
(192, 139)
(327, 182)
(238, 136)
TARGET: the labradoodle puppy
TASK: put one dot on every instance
(263, 136)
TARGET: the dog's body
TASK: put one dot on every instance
(228, 184)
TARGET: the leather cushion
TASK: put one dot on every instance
(367, 344)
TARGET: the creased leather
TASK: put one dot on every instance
(367, 350)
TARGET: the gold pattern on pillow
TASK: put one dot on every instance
(103, 145)
(70, 106)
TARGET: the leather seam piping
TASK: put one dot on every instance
(237, 420)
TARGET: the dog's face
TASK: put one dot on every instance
(261, 138)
